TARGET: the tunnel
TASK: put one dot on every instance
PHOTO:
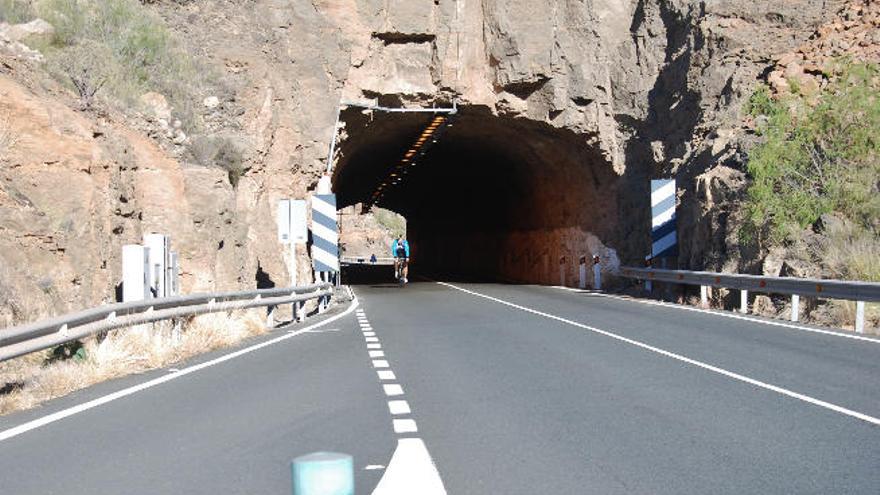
(486, 197)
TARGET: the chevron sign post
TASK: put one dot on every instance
(664, 241)
(325, 233)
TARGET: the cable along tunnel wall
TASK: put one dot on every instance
(495, 198)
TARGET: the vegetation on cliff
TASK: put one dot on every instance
(117, 49)
(820, 156)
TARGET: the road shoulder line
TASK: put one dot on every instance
(678, 357)
(65, 413)
(723, 314)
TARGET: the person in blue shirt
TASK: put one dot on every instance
(400, 252)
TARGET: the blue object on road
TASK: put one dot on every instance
(323, 473)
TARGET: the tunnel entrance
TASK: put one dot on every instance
(495, 198)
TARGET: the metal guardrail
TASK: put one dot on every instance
(365, 260)
(24, 339)
(860, 292)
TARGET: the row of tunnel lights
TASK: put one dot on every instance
(425, 140)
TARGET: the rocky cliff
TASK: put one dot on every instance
(650, 88)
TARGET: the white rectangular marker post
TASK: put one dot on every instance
(135, 272)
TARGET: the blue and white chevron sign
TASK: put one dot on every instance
(664, 242)
(325, 233)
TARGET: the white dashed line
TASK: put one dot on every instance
(678, 357)
(411, 469)
(386, 375)
(393, 389)
(405, 426)
(374, 467)
(398, 407)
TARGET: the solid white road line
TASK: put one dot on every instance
(376, 354)
(374, 345)
(386, 375)
(678, 357)
(405, 426)
(723, 314)
(398, 407)
(392, 389)
(411, 471)
(380, 363)
(65, 413)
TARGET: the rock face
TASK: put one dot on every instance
(644, 88)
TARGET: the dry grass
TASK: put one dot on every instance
(29, 381)
(8, 139)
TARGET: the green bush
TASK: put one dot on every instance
(819, 155)
(139, 54)
(16, 11)
(390, 221)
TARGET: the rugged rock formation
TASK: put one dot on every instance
(615, 92)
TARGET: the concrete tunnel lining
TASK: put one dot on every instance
(496, 198)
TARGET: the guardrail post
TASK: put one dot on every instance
(860, 316)
(795, 307)
(175, 330)
(270, 317)
(704, 297)
(744, 301)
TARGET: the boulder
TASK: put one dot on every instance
(36, 29)
(157, 106)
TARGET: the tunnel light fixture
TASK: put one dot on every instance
(423, 142)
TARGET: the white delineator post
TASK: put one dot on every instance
(795, 307)
(704, 297)
(860, 316)
(743, 301)
(582, 273)
(597, 273)
(562, 271)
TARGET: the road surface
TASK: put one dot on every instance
(507, 389)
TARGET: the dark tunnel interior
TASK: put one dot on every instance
(495, 198)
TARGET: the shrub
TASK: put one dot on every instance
(86, 68)
(137, 53)
(390, 221)
(16, 11)
(817, 157)
(219, 151)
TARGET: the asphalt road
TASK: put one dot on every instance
(537, 390)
